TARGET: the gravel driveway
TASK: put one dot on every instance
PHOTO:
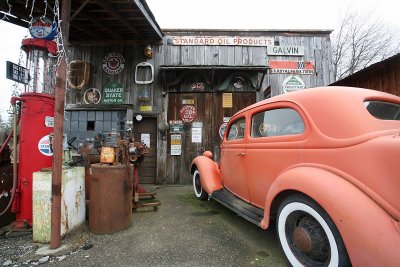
(183, 232)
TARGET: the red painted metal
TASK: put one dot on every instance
(33, 43)
(35, 108)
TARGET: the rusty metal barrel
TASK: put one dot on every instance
(110, 205)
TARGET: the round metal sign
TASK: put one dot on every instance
(43, 28)
(92, 96)
(188, 113)
(222, 129)
(113, 63)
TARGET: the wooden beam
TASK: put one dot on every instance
(149, 19)
(102, 25)
(117, 15)
(79, 10)
(55, 234)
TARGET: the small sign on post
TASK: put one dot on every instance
(17, 73)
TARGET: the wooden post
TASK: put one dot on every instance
(55, 236)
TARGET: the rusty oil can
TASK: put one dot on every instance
(110, 205)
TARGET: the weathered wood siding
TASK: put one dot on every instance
(98, 78)
(213, 66)
(382, 76)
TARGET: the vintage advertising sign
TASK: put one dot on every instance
(227, 100)
(187, 101)
(44, 146)
(199, 86)
(293, 83)
(188, 113)
(92, 96)
(113, 93)
(49, 121)
(285, 50)
(146, 108)
(288, 66)
(113, 63)
(43, 28)
(196, 134)
(17, 73)
(223, 40)
(222, 129)
(176, 126)
(145, 138)
(176, 144)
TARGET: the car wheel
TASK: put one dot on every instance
(308, 235)
(198, 190)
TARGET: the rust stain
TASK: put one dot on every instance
(56, 190)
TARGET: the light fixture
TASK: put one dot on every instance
(139, 117)
(148, 52)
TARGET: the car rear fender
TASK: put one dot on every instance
(368, 231)
(210, 177)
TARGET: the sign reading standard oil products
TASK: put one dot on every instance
(113, 93)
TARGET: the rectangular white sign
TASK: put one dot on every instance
(285, 50)
(176, 145)
(196, 135)
(145, 138)
(224, 40)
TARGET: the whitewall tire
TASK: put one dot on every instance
(197, 188)
(308, 235)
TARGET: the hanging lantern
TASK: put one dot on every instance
(144, 94)
(78, 74)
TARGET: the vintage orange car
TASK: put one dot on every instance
(325, 164)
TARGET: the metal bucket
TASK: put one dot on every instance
(110, 205)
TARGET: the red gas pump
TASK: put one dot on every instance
(36, 124)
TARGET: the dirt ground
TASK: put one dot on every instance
(182, 232)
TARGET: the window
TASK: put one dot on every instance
(276, 122)
(236, 130)
(383, 110)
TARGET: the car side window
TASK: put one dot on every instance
(276, 122)
(236, 130)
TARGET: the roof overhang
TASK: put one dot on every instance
(93, 21)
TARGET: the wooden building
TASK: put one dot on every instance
(382, 76)
(179, 99)
(176, 89)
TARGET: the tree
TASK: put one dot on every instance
(5, 128)
(360, 42)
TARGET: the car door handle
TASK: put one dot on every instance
(242, 154)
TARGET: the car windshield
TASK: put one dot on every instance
(383, 110)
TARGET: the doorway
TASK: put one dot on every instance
(146, 131)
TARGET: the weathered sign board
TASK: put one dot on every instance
(289, 66)
(113, 93)
(17, 73)
(285, 50)
(224, 40)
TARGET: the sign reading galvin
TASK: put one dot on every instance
(285, 50)
(288, 66)
(223, 40)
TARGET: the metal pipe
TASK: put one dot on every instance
(15, 166)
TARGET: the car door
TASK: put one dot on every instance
(233, 154)
(277, 133)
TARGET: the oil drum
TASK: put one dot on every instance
(110, 205)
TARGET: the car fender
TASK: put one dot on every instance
(370, 234)
(210, 176)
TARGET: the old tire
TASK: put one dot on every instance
(308, 235)
(197, 188)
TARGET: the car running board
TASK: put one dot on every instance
(242, 208)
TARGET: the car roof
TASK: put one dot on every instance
(337, 111)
